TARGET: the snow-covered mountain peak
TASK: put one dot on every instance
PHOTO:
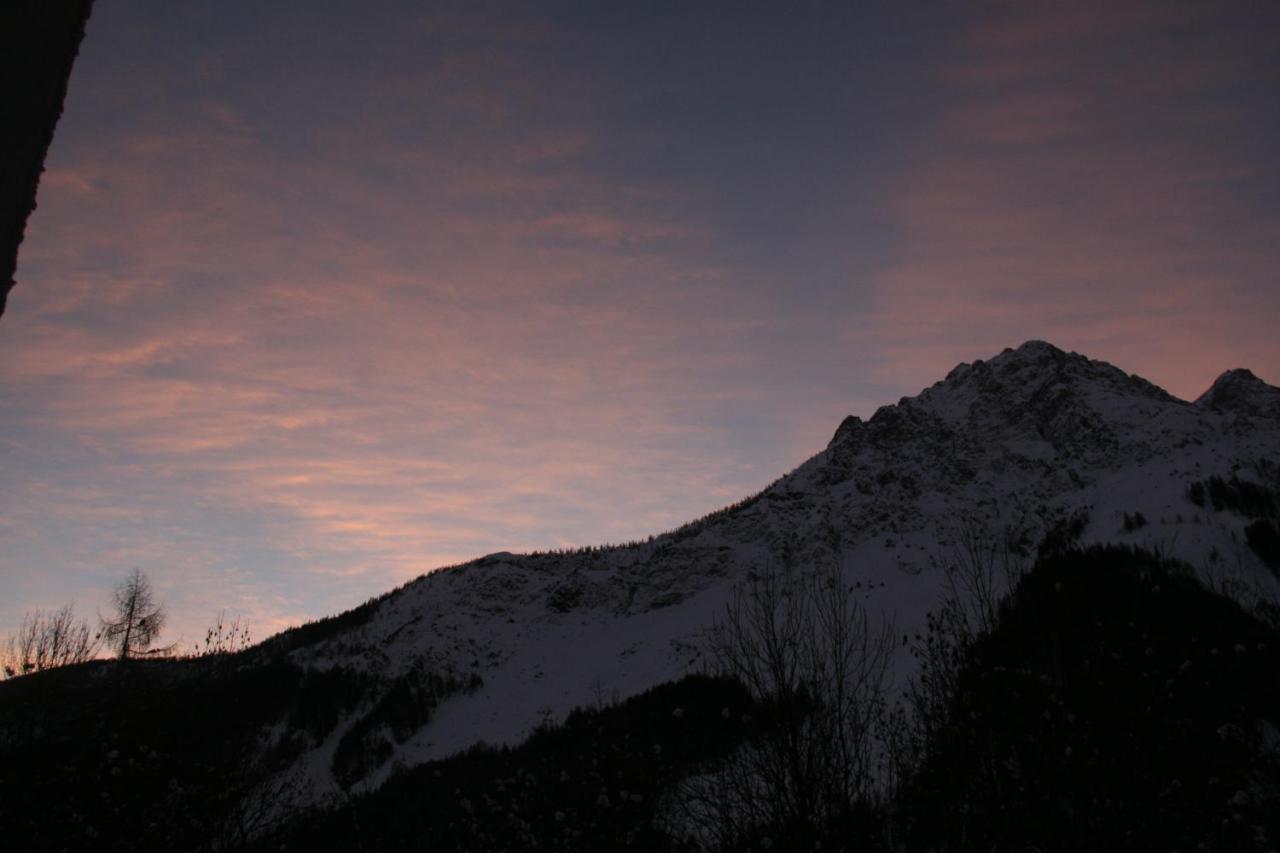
(1026, 440)
(1240, 392)
(1031, 376)
(1037, 397)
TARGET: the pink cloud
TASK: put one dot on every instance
(1045, 202)
(270, 369)
(244, 369)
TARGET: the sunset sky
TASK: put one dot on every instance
(321, 296)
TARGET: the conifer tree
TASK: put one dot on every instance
(139, 618)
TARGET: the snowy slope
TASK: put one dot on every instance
(1027, 437)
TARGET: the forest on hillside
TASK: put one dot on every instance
(1110, 699)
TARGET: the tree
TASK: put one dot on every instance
(804, 646)
(48, 640)
(139, 618)
(983, 564)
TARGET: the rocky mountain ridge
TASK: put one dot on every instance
(1019, 442)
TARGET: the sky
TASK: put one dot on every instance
(319, 297)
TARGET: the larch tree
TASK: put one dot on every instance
(137, 619)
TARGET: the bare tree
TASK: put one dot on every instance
(48, 640)
(138, 618)
(254, 801)
(807, 651)
(984, 564)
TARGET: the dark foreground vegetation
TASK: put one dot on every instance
(1111, 702)
(594, 783)
(172, 754)
(1118, 704)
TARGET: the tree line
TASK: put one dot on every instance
(50, 639)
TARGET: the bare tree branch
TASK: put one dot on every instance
(48, 640)
(806, 649)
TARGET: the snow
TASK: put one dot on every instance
(1029, 436)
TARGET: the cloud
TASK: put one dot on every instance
(1090, 182)
(285, 340)
(282, 384)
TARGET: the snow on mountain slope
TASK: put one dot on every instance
(1028, 437)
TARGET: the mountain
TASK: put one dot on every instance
(357, 730)
(1031, 444)
(1241, 392)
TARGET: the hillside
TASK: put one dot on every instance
(1025, 454)
(1017, 445)
(1155, 732)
